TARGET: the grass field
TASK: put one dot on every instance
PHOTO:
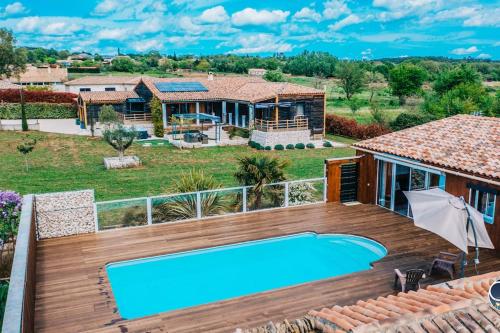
(62, 162)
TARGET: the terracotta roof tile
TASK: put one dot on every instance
(463, 142)
(456, 306)
(100, 80)
(4, 84)
(238, 88)
(107, 96)
(42, 74)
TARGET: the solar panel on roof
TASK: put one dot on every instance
(180, 87)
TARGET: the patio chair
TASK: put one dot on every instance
(445, 261)
(410, 280)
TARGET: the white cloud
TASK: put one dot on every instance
(60, 28)
(28, 24)
(349, 20)
(14, 8)
(129, 9)
(182, 41)
(465, 51)
(106, 7)
(113, 34)
(485, 17)
(147, 45)
(335, 8)
(397, 9)
(307, 14)
(186, 24)
(214, 15)
(484, 56)
(366, 54)
(250, 16)
(260, 43)
(152, 25)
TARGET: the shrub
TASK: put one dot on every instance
(251, 143)
(337, 125)
(409, 119)
(268, 148)
(260, 147)
(310, 146)
(120, 138)
(13, 96)
(38, 111)
(300, 146)
(290, 146)
(327, 144)
(157, 117)
(279, 147)
(108, 115)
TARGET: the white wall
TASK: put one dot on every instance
(100, 87)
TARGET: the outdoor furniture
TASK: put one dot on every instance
(445, 262)
(410, 280)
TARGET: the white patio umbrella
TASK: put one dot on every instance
(451, 218)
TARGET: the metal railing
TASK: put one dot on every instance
(19, 316)
(205, 204)
(299, 123)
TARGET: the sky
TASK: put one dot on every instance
(368, 29)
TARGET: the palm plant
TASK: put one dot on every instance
(184, 207)
(258, 171)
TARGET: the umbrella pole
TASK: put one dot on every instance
(464, 258)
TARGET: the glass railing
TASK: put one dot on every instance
(198, 205)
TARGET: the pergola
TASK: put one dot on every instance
(199, 116)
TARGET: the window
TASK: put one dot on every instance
(84, 89)
(110, 89)
(300, 110)
(484, 202)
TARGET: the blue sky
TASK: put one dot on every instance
(346, 28)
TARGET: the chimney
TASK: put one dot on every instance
(210, 76)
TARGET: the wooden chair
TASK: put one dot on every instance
(445, 261)
(410, 280)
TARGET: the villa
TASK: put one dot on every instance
(102, 83)
(48, 76)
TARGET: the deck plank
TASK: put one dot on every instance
(73, 293)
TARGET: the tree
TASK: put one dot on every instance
(120, 138)
(374, 79)
(12, 59)
(274, 76)
(185, 206)
(449, 79)
(352, 78)
(406, 80)
(355, 104)
(157, 117)
(377, 114)
(123, 64)
(259, 171)
(108, 116)
(26, 147)
(24, 120)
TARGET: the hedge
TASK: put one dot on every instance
(13, 96)
(38, 111)
(337, 125)
(410, 119)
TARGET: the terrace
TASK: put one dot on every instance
(73, 293)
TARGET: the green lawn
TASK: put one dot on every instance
(62, 162)
(363, 115)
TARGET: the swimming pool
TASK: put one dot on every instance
(152, 285)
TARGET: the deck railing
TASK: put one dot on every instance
(299, 123)
(205, 204)
(140, 116)
(19, 316)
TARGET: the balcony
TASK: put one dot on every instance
(297, 124)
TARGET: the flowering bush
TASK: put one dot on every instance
(13, 96)
(10, 206)
(337, 125)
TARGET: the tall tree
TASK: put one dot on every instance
(352, 78)
(12, 59)
(406, 80)
(449, 79)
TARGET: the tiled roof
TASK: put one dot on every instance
(42, 74)
(463, 142)
(100, 97)
(250, 89)
(4, 84)
(100, 80)
(459, 304)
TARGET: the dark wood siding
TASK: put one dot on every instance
(457, 185)
(367, 184)
(314, 109)
(145, 93)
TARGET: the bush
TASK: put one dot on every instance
(337, 125)
(290, 146)
(13, 96)
(260, 147)
(310, 146)
(327, 144)
(279, 147)
(410, 119)
(38, 111)
(268, 148)
(300, 146)
(251, 143)
(157, 117)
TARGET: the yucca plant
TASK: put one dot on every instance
(258, 171)
(184, 207)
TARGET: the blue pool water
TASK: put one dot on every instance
(152, 285)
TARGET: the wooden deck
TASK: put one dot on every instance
(73, 293)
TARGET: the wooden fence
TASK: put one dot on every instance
(299, 123)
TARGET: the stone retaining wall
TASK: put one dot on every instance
(281, 137)
(64, 213)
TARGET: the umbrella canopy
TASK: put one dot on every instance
(446, 215)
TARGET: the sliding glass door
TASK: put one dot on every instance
(384, 184)
(402, 180)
